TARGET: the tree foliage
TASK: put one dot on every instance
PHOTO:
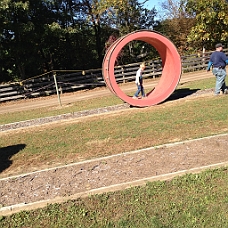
(177, 23)
(211, 22)
(37, 36)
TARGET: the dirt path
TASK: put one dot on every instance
(37, 189)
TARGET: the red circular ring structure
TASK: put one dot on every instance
(171, 63)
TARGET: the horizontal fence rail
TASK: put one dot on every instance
(68, 81)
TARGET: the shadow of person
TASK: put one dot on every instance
(6, 153)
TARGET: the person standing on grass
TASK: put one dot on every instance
(219, 60)
(139, 81)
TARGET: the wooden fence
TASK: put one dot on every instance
(68, 81)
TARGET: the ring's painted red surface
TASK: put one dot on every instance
(171, 63)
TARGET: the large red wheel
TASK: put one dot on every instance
(171, 63)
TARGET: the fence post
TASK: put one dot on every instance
(204, 55)
(153, 70)
(57, 89)
(122, 69)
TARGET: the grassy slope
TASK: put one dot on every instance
(191, 201)
(115, 133)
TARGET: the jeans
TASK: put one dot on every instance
(220, 75)
(140, 89)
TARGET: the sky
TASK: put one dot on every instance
(153, 3)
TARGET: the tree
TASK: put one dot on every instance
(126, 20)
(38, 36)
(11, 36)
(123, 16)
(177, 23)
(211, 22)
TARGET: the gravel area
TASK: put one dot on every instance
(39, 121)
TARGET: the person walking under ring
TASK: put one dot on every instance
(139, 81)
(219, 60)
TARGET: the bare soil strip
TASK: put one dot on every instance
(111, 173)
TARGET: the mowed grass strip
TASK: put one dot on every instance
(193, 200)
(82, 105)
(98, 136)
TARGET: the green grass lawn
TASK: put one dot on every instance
(199, 200)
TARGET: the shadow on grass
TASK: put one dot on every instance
(6, 153)
(181, 93)
(177, 94)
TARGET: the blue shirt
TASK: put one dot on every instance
(217, 59)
